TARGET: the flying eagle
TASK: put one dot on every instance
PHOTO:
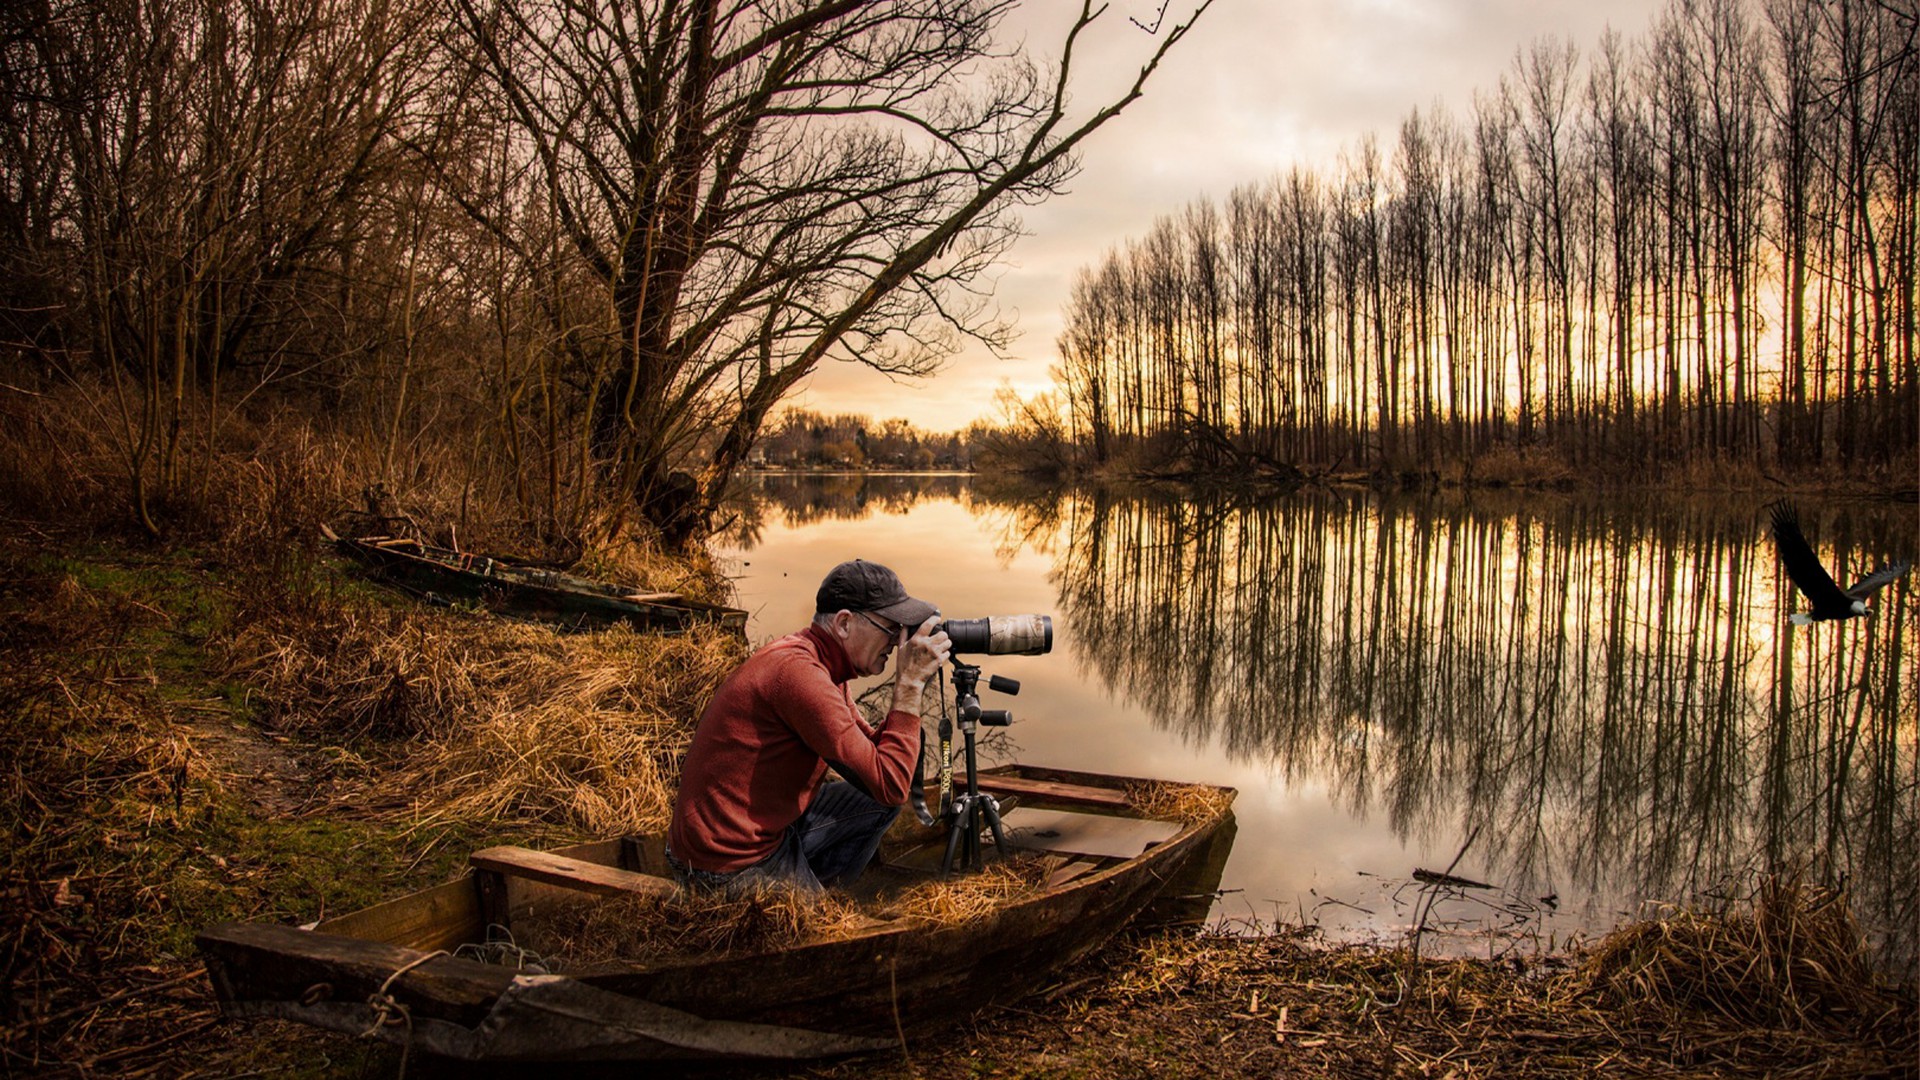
(1812, 579)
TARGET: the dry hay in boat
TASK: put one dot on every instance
(1187, 804)
(688, 923)
(944, 901)
(773, 917)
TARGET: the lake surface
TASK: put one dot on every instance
(1595, 705)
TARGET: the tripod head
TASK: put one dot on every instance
(966, 703)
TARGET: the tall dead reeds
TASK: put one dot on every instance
(1770, 985)
(1792, 958)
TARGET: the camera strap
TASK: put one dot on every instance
(946, 766)
(917, 793)
(946, 751)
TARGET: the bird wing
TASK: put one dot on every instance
(1872, 583)
(1803, 566)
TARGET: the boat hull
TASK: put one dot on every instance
(848, 995)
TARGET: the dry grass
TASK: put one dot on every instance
(1507, 466)
(54, 460)
(970, 896)
(80, 724)
(684, 925)
(107, 795)
(254, 487)
(1189, 804)
(1790, 958)
(500, 720)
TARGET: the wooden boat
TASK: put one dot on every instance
(1106, 864)
(449, 576)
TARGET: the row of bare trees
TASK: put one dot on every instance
(596, 242)
(804, 438)
(1698, 245)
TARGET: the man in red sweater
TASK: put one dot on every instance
(752, 807)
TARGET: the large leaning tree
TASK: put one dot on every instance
(754, 187)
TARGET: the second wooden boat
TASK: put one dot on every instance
(450, 576)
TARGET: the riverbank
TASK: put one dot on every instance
(1705, 995)
(198, 735)
(1529, 471)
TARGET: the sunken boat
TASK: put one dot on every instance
(444, 575)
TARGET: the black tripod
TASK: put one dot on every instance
(972, 811)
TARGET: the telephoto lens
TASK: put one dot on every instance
(1001, 635)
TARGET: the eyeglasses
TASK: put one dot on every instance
(890, 628)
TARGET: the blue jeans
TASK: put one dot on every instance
(831, 843)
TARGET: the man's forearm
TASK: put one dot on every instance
(907, 697)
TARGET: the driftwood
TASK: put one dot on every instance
(1435, 877)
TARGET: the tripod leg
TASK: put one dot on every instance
(954, 830)
(992, 813)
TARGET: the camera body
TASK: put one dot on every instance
(1001, 635)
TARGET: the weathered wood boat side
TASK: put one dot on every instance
(821, 998)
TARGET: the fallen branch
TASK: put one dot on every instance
(1440, 877)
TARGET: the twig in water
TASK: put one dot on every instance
(1426, 899)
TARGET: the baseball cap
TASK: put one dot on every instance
(864, 586)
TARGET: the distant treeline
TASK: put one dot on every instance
(801, 438)
(1698, 245)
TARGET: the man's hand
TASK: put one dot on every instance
(916, 661)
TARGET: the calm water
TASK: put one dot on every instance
(1600, 703)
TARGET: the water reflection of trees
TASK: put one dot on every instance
(789, 500)
(1612, 696)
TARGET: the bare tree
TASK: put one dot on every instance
(1546, 76)
(764, 185)
(1623, 167)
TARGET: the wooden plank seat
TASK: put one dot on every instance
(550, 869)
(1053, 790)
(493, 866)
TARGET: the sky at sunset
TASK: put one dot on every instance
(1258, 87)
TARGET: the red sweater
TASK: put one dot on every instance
(764, 743)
